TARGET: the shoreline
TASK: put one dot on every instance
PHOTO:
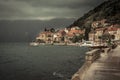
(58, 44)
(90, 58)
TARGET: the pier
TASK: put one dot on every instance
(106, 67)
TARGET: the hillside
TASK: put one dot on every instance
(109, 10)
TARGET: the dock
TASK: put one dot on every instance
(107, 67)
(100, 65)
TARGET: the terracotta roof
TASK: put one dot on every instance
(62, 32)
(76, 31)
(70, 35)
(112, 29)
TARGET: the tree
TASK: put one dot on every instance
(52, 30)
(113, 37)
(87, 30)
(62, 39)
(106, 38)
(80, 37)
(45, 29)
(77, 38)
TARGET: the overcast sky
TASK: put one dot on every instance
(45, 9)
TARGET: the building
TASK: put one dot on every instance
(112, 30)
(59, 36)
(101, 23)
(45, 36)
(74, 31)
(94, 35)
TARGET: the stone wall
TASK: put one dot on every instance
(90, 57)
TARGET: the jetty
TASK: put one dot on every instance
(100, 65)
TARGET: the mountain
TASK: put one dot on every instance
(27, 30)
(109, 10)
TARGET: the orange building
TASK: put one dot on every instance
(45, 36)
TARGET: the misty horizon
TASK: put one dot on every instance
(27, 30)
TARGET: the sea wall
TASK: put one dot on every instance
(90, 57)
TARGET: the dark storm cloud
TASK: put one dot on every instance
(63, 3)
(45, 9)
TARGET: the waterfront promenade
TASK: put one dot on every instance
(105, 68)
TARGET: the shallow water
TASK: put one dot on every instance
(19, 61)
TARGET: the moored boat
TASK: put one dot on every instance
(34, 44)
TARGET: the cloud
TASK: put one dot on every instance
(45, 9)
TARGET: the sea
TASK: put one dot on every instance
(20, 61)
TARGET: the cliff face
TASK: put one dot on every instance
(109, 10)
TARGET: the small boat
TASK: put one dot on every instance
(87, 43)
(34, 44)
(92, 44)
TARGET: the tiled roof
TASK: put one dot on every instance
(70, 35)
(112, 29)
(76, 31)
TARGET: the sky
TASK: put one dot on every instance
(45, 9)
(22, 20)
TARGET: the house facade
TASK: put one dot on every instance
(59, 36)
(45, 36)
(112, 30)
(74, 31)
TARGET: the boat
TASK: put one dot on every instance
(87, 43)
(34, 44)
(92, 44)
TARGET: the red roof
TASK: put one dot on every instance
(70, 35)
(75, 32)
(112, 28)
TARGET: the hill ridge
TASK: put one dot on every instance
(107, 10)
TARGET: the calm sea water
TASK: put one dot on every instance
(19, 61)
